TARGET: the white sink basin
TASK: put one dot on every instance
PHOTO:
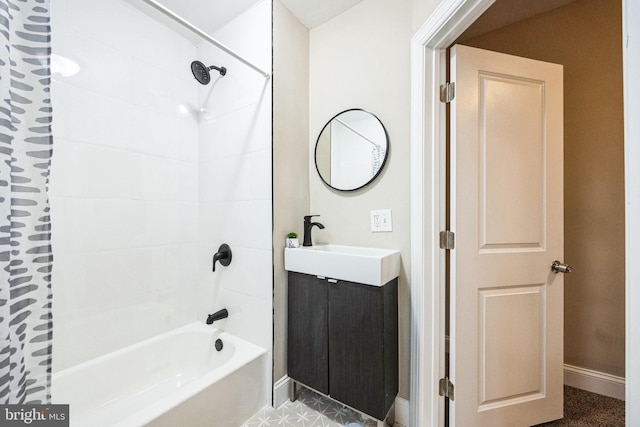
(370, 266)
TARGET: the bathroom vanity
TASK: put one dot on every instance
(343, 334)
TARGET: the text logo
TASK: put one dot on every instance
(34, 415)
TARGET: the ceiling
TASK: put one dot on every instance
(211, 15)
(315, 12)
(503, 12)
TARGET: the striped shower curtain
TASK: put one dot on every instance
(25, 235)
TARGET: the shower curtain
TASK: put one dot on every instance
(25, 238)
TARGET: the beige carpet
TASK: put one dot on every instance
(585, 409)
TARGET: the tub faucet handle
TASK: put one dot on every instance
(223, 255)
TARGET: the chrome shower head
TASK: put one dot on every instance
(201, 72)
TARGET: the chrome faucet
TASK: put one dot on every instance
(308, 225)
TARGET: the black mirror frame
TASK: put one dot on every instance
(384, 161)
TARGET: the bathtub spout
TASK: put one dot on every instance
(218, 315)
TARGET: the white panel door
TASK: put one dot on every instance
(507, 215)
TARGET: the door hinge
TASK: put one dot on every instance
(447, 240)
(446, 388)
(447, 92)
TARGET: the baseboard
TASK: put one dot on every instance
(594, 381)
(402, 412)
(280, 391)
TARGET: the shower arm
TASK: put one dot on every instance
(177, 18)
(221, 70)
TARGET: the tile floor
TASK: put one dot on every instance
(310, 410)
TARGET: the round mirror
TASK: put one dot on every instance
(351, 150)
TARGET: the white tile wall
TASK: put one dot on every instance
(144, 186)
(235, 177)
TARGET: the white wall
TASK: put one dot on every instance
(235, 179)
(124, 182)
(138, 200)
(365, 63)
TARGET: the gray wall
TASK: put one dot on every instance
(358, 59)
(290, 154)
(361, 59)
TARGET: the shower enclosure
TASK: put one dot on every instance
(152, 171)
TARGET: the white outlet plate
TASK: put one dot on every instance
(381, 220)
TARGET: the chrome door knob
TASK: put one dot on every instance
(558, 267)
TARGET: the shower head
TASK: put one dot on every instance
(201, 72)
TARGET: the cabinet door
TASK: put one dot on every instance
(307, 343)
(356, 325)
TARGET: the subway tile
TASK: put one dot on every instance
(164, 179)
(59, 13)
(246, 317)
(255, 218)
(226, 179)
(101, 277)
(59, 103)
(96, 119)
(249, 272)
(108, 173)
(157, 44)
(261, 175)
(159, 90)
(216, 222)
(239, 132)
(168, 223)
(77, 334)
(170, 267)
(239, 88)
(172, 134)
(255, 45)
(145, 186)
(236, 178)
(59, 238)
(97, 224)
(64, 170)
(248, 223)
(137, 34)
(102, 69)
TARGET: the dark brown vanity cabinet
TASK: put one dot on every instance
(343, 340)
(308, 331)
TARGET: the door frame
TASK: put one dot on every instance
(428, 130)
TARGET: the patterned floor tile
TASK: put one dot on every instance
(310, 410)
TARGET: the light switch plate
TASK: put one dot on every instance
(381, 220)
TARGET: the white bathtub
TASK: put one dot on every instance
(175, 379)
